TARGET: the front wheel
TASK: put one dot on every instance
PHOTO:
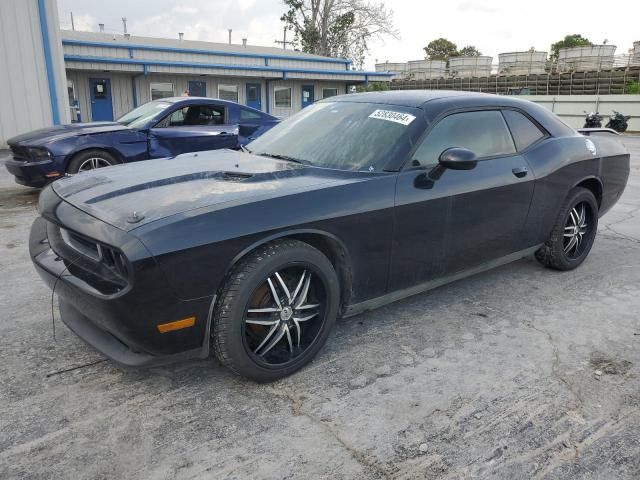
(573, 233)
(90, 160)
(275, 311)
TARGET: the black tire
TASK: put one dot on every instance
(553, 253)
(82, 159)
(231, 333)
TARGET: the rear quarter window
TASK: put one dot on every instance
(525, 132)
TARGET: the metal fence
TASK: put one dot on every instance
(608, 82)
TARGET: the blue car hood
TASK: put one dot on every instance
(46, 135)
(128, 196)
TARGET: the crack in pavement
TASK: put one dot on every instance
(374, 466)
(556, 363)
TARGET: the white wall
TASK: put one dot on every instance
(24, 84)
(571, 108)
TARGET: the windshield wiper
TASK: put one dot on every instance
(244, 149)
(285, 158)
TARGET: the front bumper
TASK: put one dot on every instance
(123, 326)
(35, 174)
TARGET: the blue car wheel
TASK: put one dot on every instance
(90, 160)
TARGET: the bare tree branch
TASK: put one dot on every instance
(338, 27)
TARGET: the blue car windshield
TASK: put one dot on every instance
(138, 117)
(342, 135)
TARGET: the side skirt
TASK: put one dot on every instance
(377, 302)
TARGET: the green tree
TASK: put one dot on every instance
(575, 40)
(338, 28)
(469, 51)
(373, 87)
(441, 49)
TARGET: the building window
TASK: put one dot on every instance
(228, 92)
(282, 97)
(161, 90)
(329, 92)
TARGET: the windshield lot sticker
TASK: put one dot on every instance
(391, 116)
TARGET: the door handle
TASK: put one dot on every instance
(520, 171)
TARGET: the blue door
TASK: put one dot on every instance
(197, 88)
(254, 96)
(307, 95)
(101, 106)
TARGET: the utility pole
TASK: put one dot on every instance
(124, 24)
(73, 27)
(284, 40)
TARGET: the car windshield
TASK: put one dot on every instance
(341, 135)
(138, 117)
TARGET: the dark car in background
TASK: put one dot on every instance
(161, 128)
(355, 202)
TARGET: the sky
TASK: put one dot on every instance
(493, 26)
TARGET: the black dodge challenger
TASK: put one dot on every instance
(355, 202)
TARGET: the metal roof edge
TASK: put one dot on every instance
(167, 63)
(160, 48)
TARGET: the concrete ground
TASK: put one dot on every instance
(520, 372)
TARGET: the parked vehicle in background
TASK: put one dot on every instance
(161, 128)
(354, 202)
(592, 120)
(618, 122)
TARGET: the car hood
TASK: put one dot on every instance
(47, 135)
(129, 196)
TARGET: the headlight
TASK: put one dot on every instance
(39, 153)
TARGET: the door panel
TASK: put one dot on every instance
(101, 106)
(171, 141)
(254, 96)
(489, 209)
(307, 95)
(420, 219)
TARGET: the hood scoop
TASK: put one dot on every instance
(235, 176)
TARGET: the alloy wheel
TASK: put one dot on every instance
(577, 227)
(93, 163)
(284, 315)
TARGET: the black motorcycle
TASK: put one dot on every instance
(592, 120)
(618, 122)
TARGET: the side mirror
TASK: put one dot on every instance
(458, 159)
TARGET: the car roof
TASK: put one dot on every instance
(405, 98)
(437, 102)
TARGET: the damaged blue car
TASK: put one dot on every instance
(158, 129)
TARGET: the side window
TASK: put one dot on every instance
(209, 115)
(483, 132)
(193, 116)
(524, 131)
(177, 117)
(249, 115)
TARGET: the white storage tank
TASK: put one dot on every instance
(587, 58)
(470, 66)
(426, 69)
(522, 63)
(399, 69)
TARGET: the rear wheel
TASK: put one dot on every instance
(90, 160)
(574, 232)
(276, 310)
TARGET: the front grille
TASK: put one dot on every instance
(103, 267)
(20, 154)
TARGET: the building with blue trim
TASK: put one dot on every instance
(108, 75)
(51, 76)
(33, 91)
